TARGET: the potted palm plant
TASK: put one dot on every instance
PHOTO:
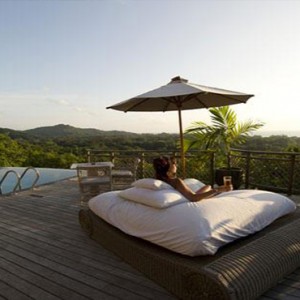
(224, 133)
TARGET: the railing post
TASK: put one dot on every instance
(291, 177)
(229, 159)
(142, 164)
(247, 173)
(112, 157)
(212, 168)
(89, 155)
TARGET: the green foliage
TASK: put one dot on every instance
(62, 145)
(11, 152)
(224, 133)
(21, 149)
(279, 143)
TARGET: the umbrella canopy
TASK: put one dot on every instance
(180, 95)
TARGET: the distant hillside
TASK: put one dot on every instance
(74, 140)
(14, 134)
(61, 130)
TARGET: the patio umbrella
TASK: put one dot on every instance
(180, 95)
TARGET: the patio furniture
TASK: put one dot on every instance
(94, 178)
(124, 172)
(243, 269)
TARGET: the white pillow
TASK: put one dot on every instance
(152, 184)
(154, 198)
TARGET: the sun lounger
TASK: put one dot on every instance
(242, 269)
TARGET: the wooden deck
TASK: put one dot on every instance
(44, 254)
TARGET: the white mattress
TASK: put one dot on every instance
(194, 228)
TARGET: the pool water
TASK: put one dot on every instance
(47, 176)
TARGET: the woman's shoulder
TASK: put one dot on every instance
(175, 182)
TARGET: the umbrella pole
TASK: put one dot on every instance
(181, 143)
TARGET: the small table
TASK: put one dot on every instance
(93, 177)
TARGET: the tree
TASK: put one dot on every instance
(224, 133)
(11, 152)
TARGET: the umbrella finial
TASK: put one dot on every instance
(178, 79)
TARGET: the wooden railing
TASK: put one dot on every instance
(274, 171)
(199, 164)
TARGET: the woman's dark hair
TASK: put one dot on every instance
(161, 166)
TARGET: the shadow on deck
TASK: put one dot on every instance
(45, 254)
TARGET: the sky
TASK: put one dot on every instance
(64, 62)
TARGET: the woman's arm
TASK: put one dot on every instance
(193, 197)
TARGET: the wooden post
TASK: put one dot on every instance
(247, 175)
(292, 172)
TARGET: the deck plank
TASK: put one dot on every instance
(44, 254)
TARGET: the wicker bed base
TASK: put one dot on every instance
(241, 270)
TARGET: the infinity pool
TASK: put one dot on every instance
(47, 176)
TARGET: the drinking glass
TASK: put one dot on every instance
(227, 180)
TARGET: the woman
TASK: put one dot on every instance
(165, 170)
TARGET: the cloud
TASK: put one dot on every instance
(60, 101)
(84, 110)
(71, 104)
(43, 101)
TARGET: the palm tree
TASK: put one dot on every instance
(224, 133)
